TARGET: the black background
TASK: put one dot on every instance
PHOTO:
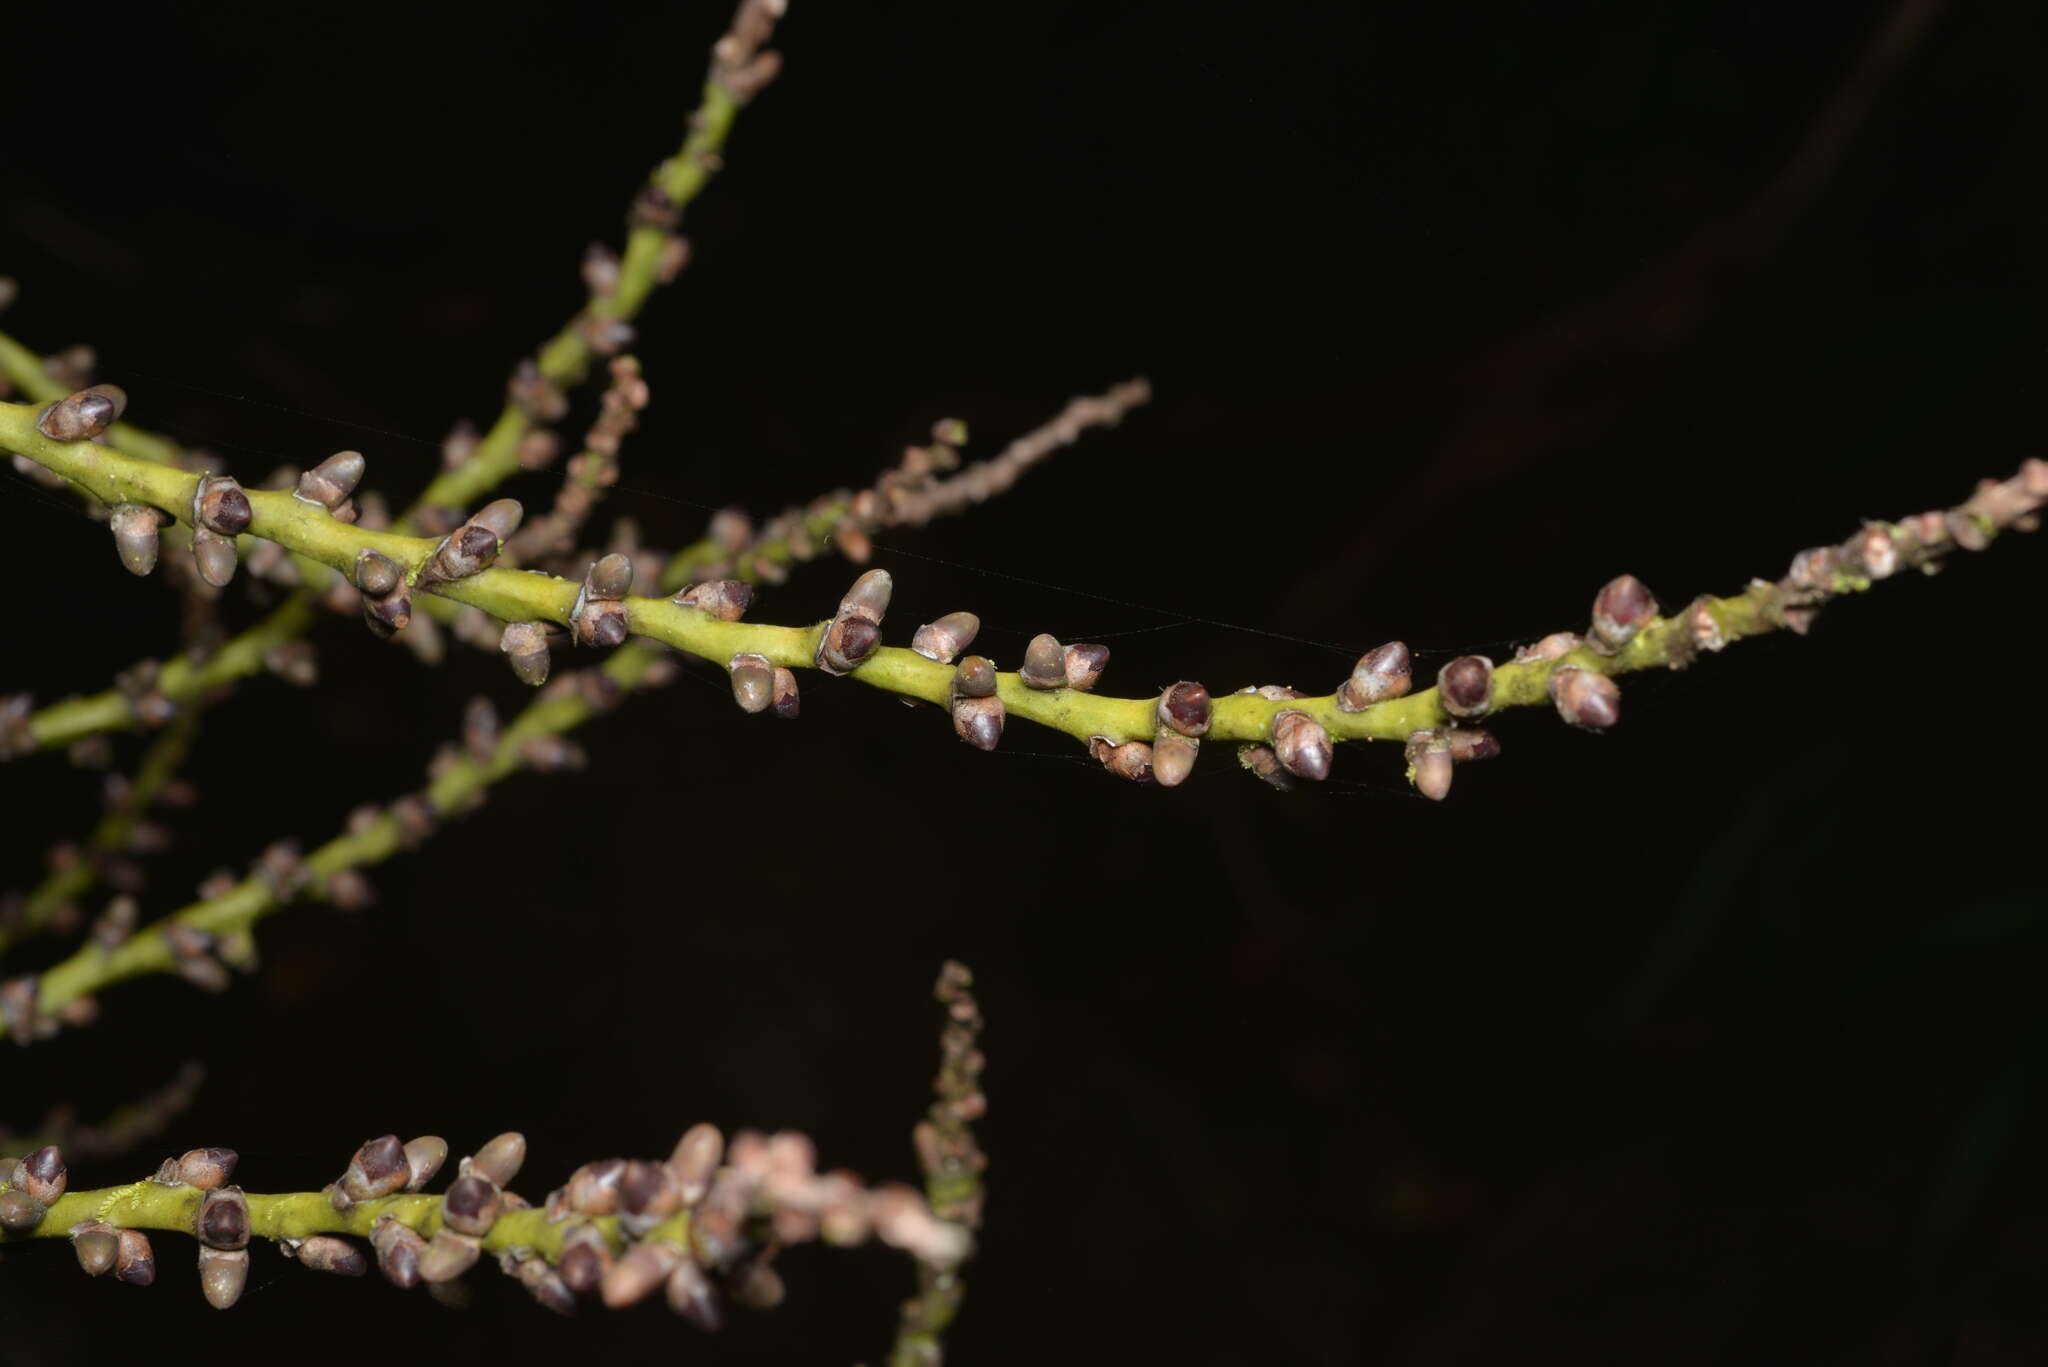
(1716, 1039)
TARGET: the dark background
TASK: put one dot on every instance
(1717, 1039)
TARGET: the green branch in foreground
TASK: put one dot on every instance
(1628, 633)
(703, 1224)
(620, 287)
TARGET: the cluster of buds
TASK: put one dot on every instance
(32, 1186)
(599, 616)
(220, 513)
(85, 415)
(1049, 665)
(1184, 713)
(854, 632)
(386, 596)
(592, 470)
(738, 61)
(1432, 755)
(971, 698)
(760, 685)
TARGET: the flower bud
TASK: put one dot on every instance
(214, 557)
(423, 1158)
(1812, 570)
(325, 1253)
(97, 1246)
(398, 1248)
(869, 596)
(447, 1256)
(500, 1160)
(944, 639)
(1874, 553)
(1470, 743)
(376, 574)
(1555, 646)
(1261, 760)
(787, 702)
(544, 1284)
(223, 1275)
(1131, 760)
(1083, 665)
(598, 618)
(725, 599)
(1381, 673)
(329, 483)
(135, 1261)
(1585, 698)
(526, 649)
(135, 536)
(1702, 626)
(391, 614)
(696, 1158)
(594, 1188)
(1429, 764)
(846, 643)
(84, 415)
(42, 1174)
(19, 1211)
(1185, 708)
(585, 1258)
(753, 682)
(470, 1206)
(379, 1168)
(220, 506)
(1301, 745)
(1045, 663)
(645, 1267)
(648, 1194)
(975, 678)
(1465, 686)
(1173, 758)
(1621, 609)
(978, 721)
(691, 1295)
(207, 1169)
(223, 1219)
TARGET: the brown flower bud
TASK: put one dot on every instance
(470, 1206)
(1381, 673)
(223, 1219)
(1465, 686)
(787, 701)
(84, 415)
(97, 1246)
(1185, 708)
(42, 1174)
(220, 506)
(1621, 609)
(944, 639)
(500, 1160)
(975, 678)
(544, 1284)
(214, 557)
(526, 649)
(598, 618)
(1302, 745)
(978, 721)
(1429, 764)
(1469, 743)
(447, 1256)
(207, 1169)
(725, 599)
(847, 642)
(1585, 698)
(695, 1160)
(869, 596)
(1555, 646)
(1045, 663)
(376, 574)
(325, 1253)
(391, 614)
(330, 482)
(753, 682)
(135, 536)
(378, 1168)
(135, 1262)
(1083, 665)
(19, 1211)
(1131, 760)
(1874, 553)
(594, 1188)
(690, 1294)
(648, 1194)
(222, 1275)
(1261, 760)
(1173, 758)
(645, 1267)
(423, 1158)
(585, 1258)
(398, 1248)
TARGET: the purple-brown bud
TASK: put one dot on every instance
(944, 639)
(1429, 764)
(1874, 552)
(1301, 745)
(470, 1206)
(644, 1267)
(846, 643)
(787, 701)
(378, 1168)
(84, 415)
(325, 1253)
(447, 1256)
(1045, 663)
(1381, 673)
(1584, 698)
(220, 506)
(423, 1158)
(377, 574)
(207, 1169)
(1083, 665)
(869, 596)
(1465, 686)
(725, 599)
(1812, 571)
(398, 1248)
(1555, 646)
(526, 649)
(594, 1188)
(135, 536)
(598, 618)
(214, 556)
(691, 1295)
(499, 1161)
(753, 682)
(1470, 743)
(1173, 758)
(223, 1219)
(978, 721)
(135, 1262)
(585, 1258)
(97, 1246)
(1185, 708)
(1261, 760)
(391, 614)
(1620, 610)
(42, 1174)
(975, 678)
(695, 1159)
(223, 1274)
(19, 1211)
(330, 482)
(648, 1194)
(1131, 760)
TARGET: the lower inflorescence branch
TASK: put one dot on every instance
(704, 1226)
